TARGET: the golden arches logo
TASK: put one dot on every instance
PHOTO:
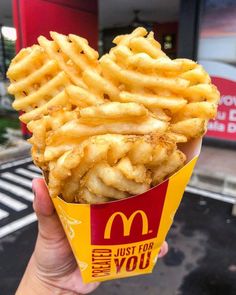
(127, 222)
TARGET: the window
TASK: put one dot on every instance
(7, 48)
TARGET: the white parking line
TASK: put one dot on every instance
(3, 214)
(27, 173)
(17, 190)
(15, 163)
(17, 179)
(16, 225)
(34, 168)
(12, 203)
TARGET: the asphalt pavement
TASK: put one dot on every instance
(202, 240)
(16, 195)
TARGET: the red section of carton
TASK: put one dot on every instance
(129, 220)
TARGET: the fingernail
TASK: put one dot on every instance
(35, 196)
(34, 190)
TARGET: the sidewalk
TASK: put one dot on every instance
(21, 149)
(216, 170)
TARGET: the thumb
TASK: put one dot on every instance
(48, 222)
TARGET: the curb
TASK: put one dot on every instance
(216, 182)
(13, 153)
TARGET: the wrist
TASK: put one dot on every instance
(32, 284)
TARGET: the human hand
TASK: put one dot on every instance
(52, 268)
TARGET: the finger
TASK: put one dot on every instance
(48, 222)
(90, 287)
(42, 202)
(164, 250)
(76, 284)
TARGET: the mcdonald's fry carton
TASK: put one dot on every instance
(123, 238)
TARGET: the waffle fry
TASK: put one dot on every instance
(148, 77)
(37, 83)
(81, 97)
(107, 162)
(173, 163)
(53, 52)
(108, 129)
(172, 104)
(41, 129)
(77, 129)
(79, 61)
(114, 110)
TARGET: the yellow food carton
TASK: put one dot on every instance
(123, 238)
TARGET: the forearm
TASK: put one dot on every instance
(31, 284)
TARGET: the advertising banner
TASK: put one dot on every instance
(217, 53)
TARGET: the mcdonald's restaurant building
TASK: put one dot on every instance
(203, 30)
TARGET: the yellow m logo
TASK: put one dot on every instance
(127, 222)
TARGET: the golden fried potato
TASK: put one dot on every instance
(174, 162)
(109, 128)
(116, 151)
(37, 83)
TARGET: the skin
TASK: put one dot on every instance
(52, 268)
